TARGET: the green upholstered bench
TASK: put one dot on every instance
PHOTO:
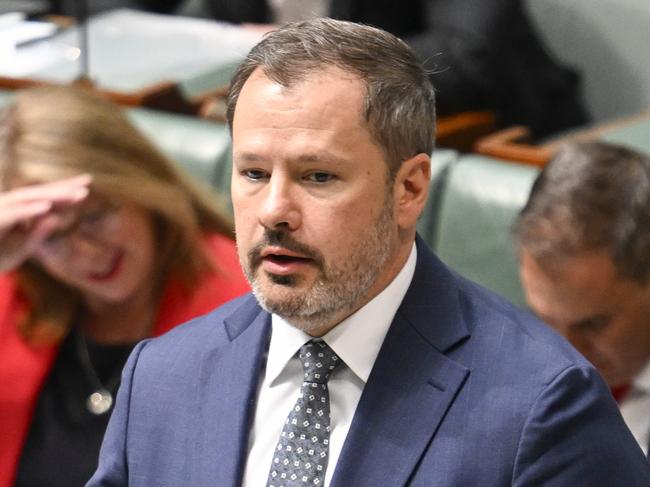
(201, 147)
(635, 135)
(477, 207)
(5, 97)
(441, 162)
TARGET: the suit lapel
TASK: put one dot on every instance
(228, 385)
(412, 384)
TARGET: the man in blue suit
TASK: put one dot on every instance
(360, 359)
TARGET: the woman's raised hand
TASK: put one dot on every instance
(24, 212)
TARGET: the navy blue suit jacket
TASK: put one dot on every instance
(466, 391)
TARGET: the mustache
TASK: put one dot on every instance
(281, 238)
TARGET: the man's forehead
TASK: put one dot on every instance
(581, 286)
(316, 79)
(328, 98)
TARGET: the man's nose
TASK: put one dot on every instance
(280, 206)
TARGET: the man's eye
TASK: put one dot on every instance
(320, 177)
(594, 325)
(254, 174)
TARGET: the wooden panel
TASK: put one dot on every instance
(161, 96)
(514, 143)
(462, 130)
(511, 145)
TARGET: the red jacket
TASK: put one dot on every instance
(24, 369)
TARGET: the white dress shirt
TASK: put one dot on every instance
(635, 408)
(356, 340)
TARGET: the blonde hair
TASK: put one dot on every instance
(53, 133)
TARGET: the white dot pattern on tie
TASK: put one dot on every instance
(301, 455)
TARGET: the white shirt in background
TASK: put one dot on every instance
(635, 408)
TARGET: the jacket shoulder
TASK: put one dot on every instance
(203, 332)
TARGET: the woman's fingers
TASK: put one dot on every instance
(27, 202)
(22, 213)
(19, 244)
(42, 229)
(27, 218)
(70, 189)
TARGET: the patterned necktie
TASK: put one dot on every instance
(300, 457)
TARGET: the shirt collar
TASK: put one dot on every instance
(356, 340)
(642, 380)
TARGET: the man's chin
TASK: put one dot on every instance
(289, 301)
(289, 307)
(278, 292)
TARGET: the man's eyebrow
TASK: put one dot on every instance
(588, 321)
(311, 157)
(248, 157)
(593, 321)
(322, 156)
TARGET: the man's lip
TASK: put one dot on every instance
(112, 269)
(280, 251)
(282, 265)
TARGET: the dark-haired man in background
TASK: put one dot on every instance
(584, 243)
(360, 359)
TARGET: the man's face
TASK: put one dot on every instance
(604, 316)
(314, 219)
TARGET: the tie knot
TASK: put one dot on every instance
(318, 361)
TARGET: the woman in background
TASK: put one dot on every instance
(103, 242)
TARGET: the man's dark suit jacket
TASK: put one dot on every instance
(466, 391)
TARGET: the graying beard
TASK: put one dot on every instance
(320, 303)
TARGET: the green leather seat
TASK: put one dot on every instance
(199, 146)
(441, 161)
(635, 135)
(5, 97)
(208, 80)
(481, 200)
(222, 174)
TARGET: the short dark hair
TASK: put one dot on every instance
(399, 105)
(591, 196)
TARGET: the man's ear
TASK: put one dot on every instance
(411, 189)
